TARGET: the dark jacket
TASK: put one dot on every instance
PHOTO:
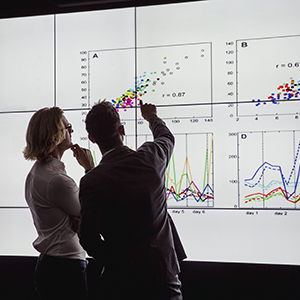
(123, 199)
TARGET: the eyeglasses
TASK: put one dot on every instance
(69, 127)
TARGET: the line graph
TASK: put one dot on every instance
(194, 186)
(275, 182)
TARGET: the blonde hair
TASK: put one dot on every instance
(44, 132)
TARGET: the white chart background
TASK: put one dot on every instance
(48, 60)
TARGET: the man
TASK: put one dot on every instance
(124, 219)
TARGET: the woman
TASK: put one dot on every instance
(52, 197)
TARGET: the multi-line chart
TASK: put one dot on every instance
(272, 181)
(224, 76)
(189, 176)
(271, 83)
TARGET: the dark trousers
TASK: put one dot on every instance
(118, 283)
(60, 278)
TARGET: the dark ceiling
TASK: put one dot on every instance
(18, 8)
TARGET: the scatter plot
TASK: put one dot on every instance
(126, 100)
(111, 77)
(268, 76)
(285, 91)
(176, 75)
(167, 76)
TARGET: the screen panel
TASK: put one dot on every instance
(27, 63)
(225, 78)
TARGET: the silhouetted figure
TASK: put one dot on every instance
(124, 218)
(52, 197)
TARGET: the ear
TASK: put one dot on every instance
(122, 130)
(91, 139)
(55, 139)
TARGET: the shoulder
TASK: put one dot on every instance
(93, 177)
(62, 186)
(60, 179)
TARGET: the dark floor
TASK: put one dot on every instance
(200, 280)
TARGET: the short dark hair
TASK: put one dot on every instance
(103, 122)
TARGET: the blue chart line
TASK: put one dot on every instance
(183, 189)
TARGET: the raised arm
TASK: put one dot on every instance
(148, 111)
(162, 135)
